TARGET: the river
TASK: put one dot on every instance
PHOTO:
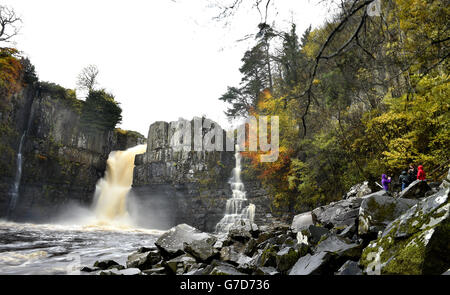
(50, 249)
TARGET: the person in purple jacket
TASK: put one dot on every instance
(385, 182)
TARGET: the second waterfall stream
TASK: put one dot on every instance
(237, 211)
(111, 191)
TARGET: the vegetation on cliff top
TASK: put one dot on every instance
(357, 97)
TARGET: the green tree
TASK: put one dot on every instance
(100, 112)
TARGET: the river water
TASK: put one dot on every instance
(45, 249)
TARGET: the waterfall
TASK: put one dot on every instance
(112, 189)
(237, 211)
(14, 194)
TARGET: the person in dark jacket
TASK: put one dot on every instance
(403, 179)
(421, 173)
(385, 182)
(412, 174)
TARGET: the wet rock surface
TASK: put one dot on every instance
(173, 242)
(415, 243)
(350, 268)
(337, 214)
(405, 236)
(377, 211)
(417, 189)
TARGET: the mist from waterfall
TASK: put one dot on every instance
(236, 211)
(111, 191)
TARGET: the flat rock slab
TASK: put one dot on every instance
(143, 260)
(126, 272)
(337, 214)
(171, 243)
(350, 268)
(226, 270)
(340, 247)
(310, 264)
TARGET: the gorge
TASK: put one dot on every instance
(60, 164)
(361, 94)
(139, 192)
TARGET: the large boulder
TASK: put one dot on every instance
(240, 233)
(143, 260)
(218, 268)
(155, 271)
(340, 248)
(311, 264)
(359, 190)
(202, 249)
(446, 182)
(337, 214)
(180, 264)
(107, 264)
(266, 271)
(230, 255)
(126, 272)
(377, 211)
(416, 190)
(226, 270)
(329, 255)
(349, 232)
(286, 258)
(171, 243)
(349, 268)
(312, 235)
(301, 221)
(417, 242)
(269, 256)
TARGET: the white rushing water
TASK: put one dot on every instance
(104, 232)
(111, 191)
(37, 249)
(237, 211)
(14, 194)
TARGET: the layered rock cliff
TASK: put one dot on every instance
(187, 186)
(61, 163)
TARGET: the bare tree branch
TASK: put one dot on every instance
(320, 55)
(87, 79)
(9, 21)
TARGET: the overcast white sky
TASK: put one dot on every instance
(161, 59)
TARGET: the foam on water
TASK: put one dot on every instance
(236, 210)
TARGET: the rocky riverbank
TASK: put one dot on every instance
(365, 233)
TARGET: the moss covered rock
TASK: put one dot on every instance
(418, 242)
(286, 258)
(377, 211)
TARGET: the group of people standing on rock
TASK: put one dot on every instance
(406, 178)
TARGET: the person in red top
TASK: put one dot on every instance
(420, 173)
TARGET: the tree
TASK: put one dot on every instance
(100, 112)
(8, 23)
(256, 78)
(87, 79)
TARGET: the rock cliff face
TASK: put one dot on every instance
(187, 186)
(60, 162)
